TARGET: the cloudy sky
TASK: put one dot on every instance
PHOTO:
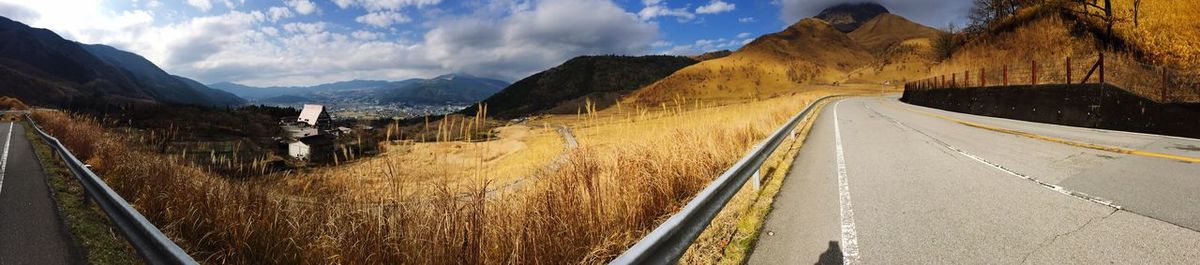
(305, 42)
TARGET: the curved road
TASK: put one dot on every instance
(31, 231)
(884, 182)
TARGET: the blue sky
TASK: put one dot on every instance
(304, 42)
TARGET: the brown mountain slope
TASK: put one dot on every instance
(810, 51)
(886, 30)
(901, 48)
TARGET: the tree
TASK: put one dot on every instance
(947, 42)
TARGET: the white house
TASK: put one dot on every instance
(299, 150)
(315, 116)
(316, 148)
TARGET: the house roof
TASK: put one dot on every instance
(310, 114)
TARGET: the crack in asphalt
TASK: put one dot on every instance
(1050, 241)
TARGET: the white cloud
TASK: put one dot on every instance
(378, 5)
(304, 7)
(278, 12)
(382, 19)
(661, 10)
(203, 5)
(743, 35)
(714, 7)
(510, 41)
(270, 31)
(533, 39)
(707, 45)
(747, 20)
(17, 12)
(366, 35)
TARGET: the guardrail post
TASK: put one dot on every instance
(87, 198)
(757, 179)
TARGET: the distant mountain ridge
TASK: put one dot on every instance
(444, 89)
(42, 68)
(563, 88)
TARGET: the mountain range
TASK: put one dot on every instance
(459, 89)
(41, 68)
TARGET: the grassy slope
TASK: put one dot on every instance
(808, 52)
(902, 49)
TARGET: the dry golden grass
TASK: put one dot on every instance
(1047, 40)
(603, 197)
(1167, 30)
(406, 168)
(809, 52)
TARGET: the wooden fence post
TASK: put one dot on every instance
(1005, 75)
(982, 76)
(1102, 69)
(1033, 73)
(1068, 70)
(967, 78)
(1165, 83)
(953, 79)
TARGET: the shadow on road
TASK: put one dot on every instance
(832, 255)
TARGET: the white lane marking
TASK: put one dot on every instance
(1056, 188)
(849, 235)
(4, 157)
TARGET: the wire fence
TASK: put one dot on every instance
(1156, 83)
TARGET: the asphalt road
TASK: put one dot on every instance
(31, 231)
(883, 182)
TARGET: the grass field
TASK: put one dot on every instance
(635, 166)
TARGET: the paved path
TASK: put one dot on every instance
(30, 230)
(883, 182)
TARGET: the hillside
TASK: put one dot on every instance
(601, 79)
(809, 52)
(445, 89)
(42, 68)
(902, 48)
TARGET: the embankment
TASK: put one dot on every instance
(1089, 105)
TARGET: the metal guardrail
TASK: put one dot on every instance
(150, 243)
(668, 242)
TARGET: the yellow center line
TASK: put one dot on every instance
(1119, 150)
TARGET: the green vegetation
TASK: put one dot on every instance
(89, 226)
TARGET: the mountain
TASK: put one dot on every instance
(452, 88)
(902, 48)
(158, 83)
(259, 93)
(809, 52)
(887, 30)
(218, 96)
(712, 55)
(42, 68)
(561, 89)
(849, 16)
(445, 89)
